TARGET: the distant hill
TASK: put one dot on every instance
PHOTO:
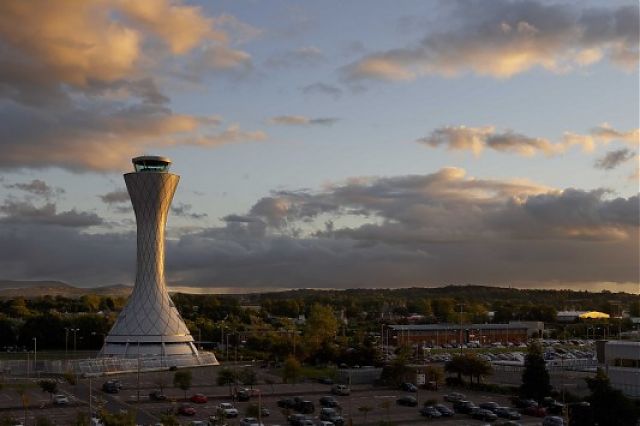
(31, 289)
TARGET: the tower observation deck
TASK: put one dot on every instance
(150, 324)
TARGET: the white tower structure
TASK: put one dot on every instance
(150, 324)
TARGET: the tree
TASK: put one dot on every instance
(248, 377)
(291, 370)
(536, 383)
(43, 421)
(634, 308)
(252, 410)
(182, 380)
(610, 406)
(434, 374)
(50, 386)
(128, 418)
(226, 376)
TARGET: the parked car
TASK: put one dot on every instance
(553, 406)
(454, 396)
(491, 406)
(157, 396)
(186, 410)
(227, 409)
(534, 410)
(286, 403)
(110, 386)
(482, 414)
(508, 413)
(326, 381)
(243, 395)
(330, 415)
(250, 421)
(199, 398)
(408, 387)
(507, 423)
(553, 421)
(523, 402)
(430, 411)
(407, 401)
(340, 390)
(444, 410)
(60, 400)
(464, 406)
(305, 407)
(265, 412)
(296, 419)
(329, 401)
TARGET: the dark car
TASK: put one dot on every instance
(286, 403)
(553, 406)
(110, 386)
(464, 407)
(430, 411)
(491, 406)
(454, 396)
(553, 421)
(330, 415)
(408, 387)
(407, 401)
(157, 396)
(508, 413)
(444, 410)
(326, 381)
(507, 423)
(243, 395)
(295, 419)
(303, 406)
(265, 412)
(482, 414)
(329, 401)
(523, 402)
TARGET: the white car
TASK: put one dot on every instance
(227, 409)
(250, 421)
(60, 400)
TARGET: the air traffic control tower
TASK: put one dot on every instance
(150, 325)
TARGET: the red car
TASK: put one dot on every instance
(187, 410)
(535, 410)
(199, 398)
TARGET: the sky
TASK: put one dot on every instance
(325, 144)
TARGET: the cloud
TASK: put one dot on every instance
(322, 88)
(23, 212)
(184, 210)
(505, 38)
(382, 232)
(477, 139)
(300, 120)
(613, 159)
(37, 187)
(301, 57)
(115, 197)
(82, 92)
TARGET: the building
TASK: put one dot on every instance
(150, 325)
(621, 361)
(454, 334)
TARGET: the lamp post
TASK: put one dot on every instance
(35, 355)
(66, 341)
(75, 340)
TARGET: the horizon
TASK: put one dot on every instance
(441, 141)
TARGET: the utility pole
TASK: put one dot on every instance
(460, 341)
(35, 355)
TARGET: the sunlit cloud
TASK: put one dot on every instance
(502, 38)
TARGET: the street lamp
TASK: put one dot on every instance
(35, 354)
(75, 331)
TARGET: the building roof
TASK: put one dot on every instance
(434, 327)
(594, 315)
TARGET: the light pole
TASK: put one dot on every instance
(66, 341)
(75, 340)
(35, 355)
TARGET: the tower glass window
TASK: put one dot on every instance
(150, 163)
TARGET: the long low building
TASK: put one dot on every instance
(621, 361)
(454, 334)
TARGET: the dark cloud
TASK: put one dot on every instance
(23, 212)
(37, 187)
(115, 197)
(613, 159)
(301, 57)
(503, 38)
(184, 210)
(322, 88)
(300, 120)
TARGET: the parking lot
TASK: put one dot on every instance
(380, 401)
